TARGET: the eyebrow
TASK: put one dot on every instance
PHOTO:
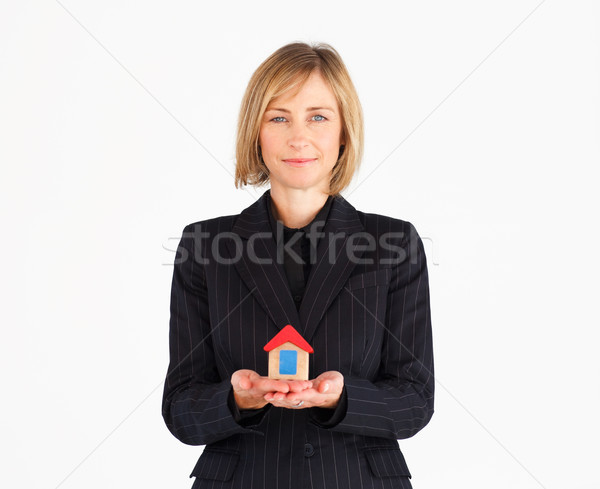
(308, 109)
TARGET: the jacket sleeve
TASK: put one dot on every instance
(195, 398)
(399, 402)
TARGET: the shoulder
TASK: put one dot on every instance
(250, 219)
(215, 224)
(198, 235)
(397, 241)
(379, 224)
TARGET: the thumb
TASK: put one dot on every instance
(245, 383)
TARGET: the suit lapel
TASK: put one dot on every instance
(266, 279)
(335, 260)
(258, 265)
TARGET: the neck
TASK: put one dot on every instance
(297, 208)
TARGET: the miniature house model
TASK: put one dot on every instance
(288, 355)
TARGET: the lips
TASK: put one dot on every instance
(298, 162)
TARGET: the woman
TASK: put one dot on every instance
(354, 285)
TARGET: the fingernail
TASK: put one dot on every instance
(326, 388)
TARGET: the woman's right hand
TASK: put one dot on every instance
(249, 388)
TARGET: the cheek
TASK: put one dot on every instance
(268, 141)
(332, 138)
(330, 144)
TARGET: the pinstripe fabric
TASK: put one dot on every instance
(369, 320)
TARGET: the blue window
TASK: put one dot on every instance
(288, 360)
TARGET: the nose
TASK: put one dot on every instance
(298, 136)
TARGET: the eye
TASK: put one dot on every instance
(279, 118)
(321, 117)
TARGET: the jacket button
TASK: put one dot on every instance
(309, 450)
(298, 298)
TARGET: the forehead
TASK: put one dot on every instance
(314, 91)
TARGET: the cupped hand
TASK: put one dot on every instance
(325, 393)
(250, 390)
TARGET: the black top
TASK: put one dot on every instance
(298, 247)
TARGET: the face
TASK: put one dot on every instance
(300, 137)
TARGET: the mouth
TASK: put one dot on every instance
(299, 161)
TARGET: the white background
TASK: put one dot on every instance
(117, 125)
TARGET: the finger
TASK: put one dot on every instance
(307, 395)
(286, 403)
(289, 405)
(281, 404)
(274, 396)
(279, 396)
(245, 383)
(323, 387)
(299, 386)
(276, 385)
(298, 404)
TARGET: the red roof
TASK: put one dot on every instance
(288, 334)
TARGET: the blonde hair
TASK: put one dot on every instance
(287, 68)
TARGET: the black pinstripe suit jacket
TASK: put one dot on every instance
(365, 312)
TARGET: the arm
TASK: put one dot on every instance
(196, 400)
(399, 402)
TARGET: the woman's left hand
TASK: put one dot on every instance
(325, 393)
